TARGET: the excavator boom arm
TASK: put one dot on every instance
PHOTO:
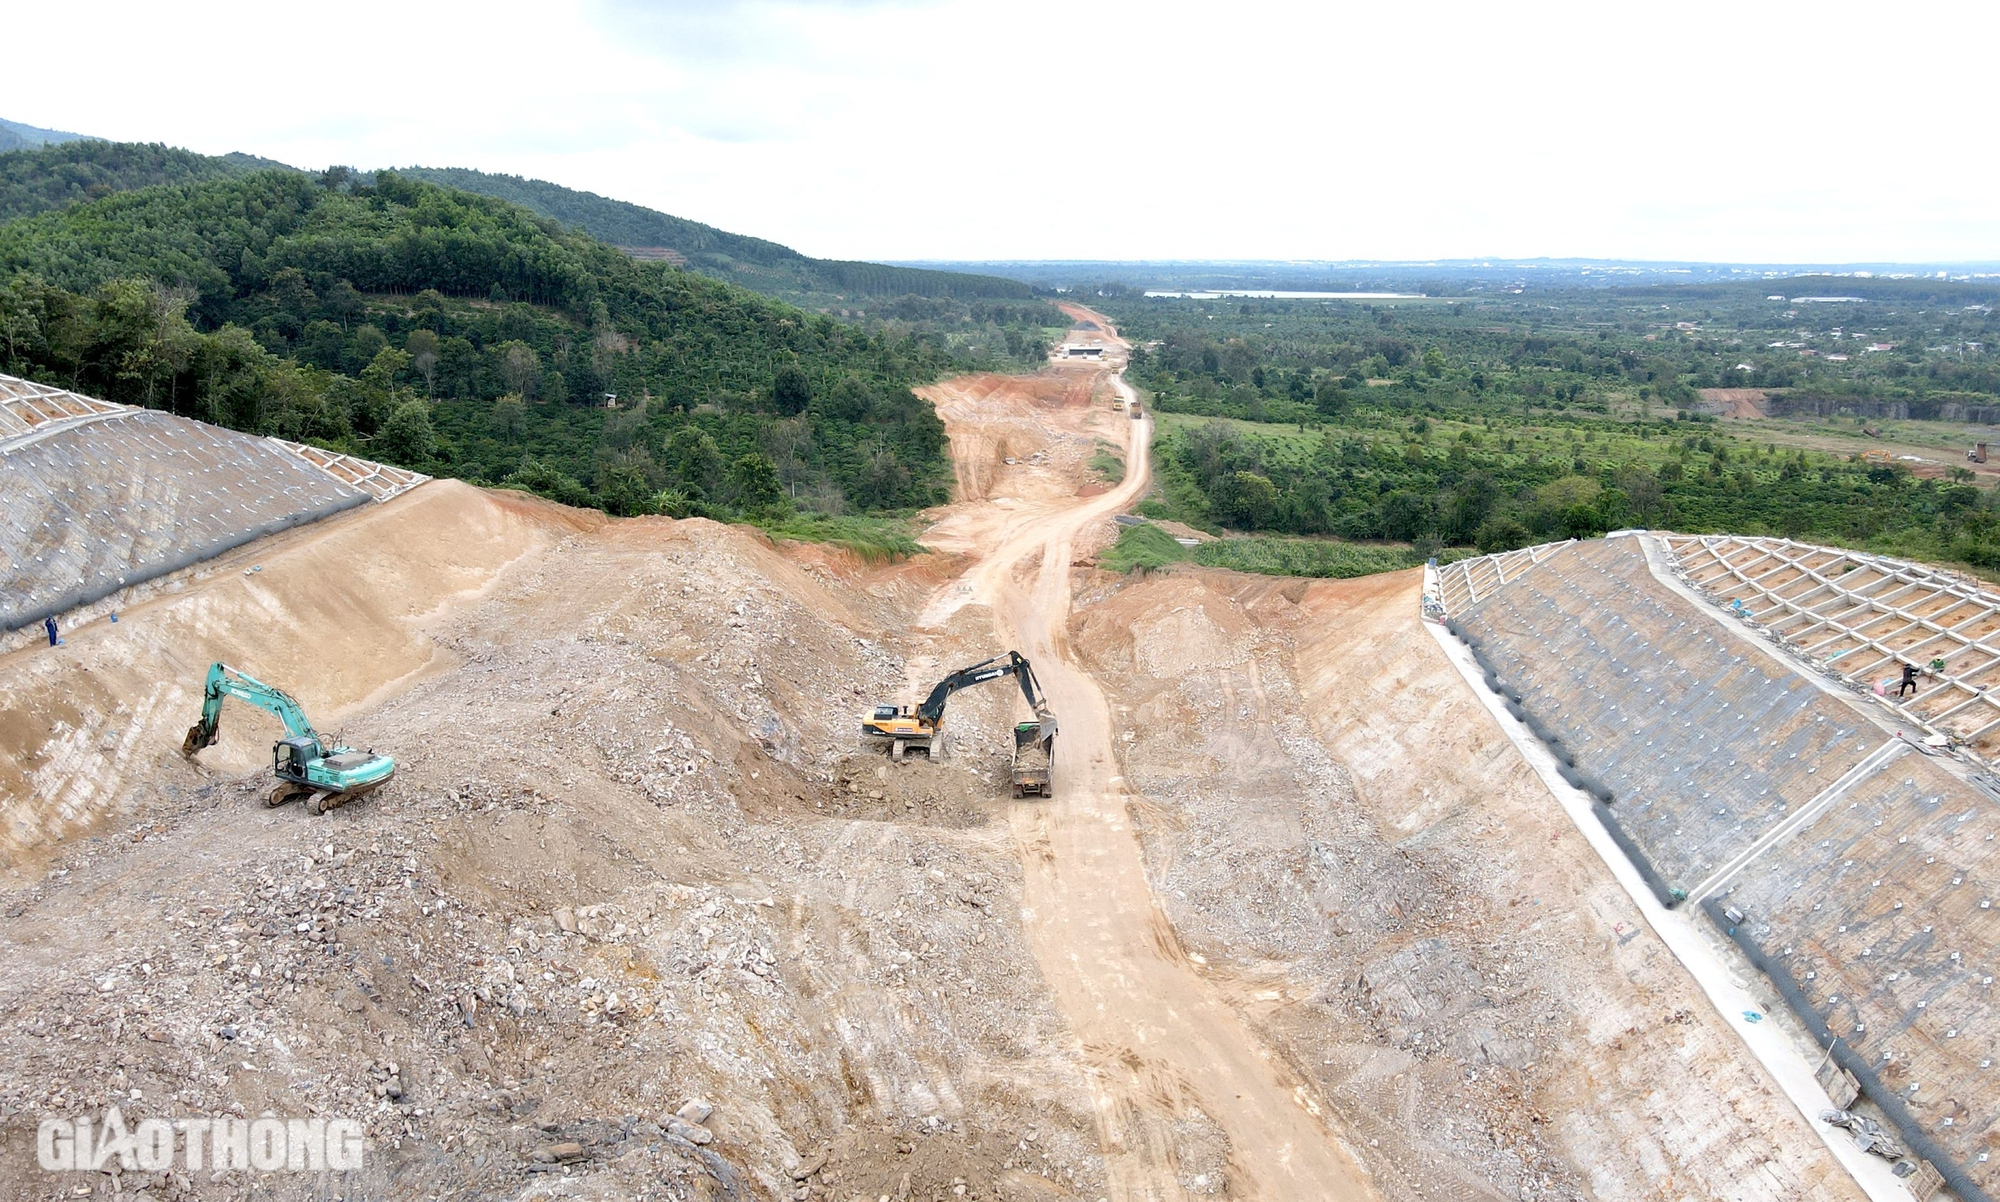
(1011, 664)
(225, 681)
(1031, 688)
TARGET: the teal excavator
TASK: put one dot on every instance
(306, 764)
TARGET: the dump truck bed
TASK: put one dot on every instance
(1031, 762)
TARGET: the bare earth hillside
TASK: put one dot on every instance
(1377, 881)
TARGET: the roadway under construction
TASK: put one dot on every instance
(1616, 890)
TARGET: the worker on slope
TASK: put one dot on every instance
(1909, 679)
(49, 624)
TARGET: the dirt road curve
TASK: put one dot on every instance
(1162, 1048)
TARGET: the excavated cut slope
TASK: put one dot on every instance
(1274, 937)
(334, 612)
(1704, 743)
(1880, 919)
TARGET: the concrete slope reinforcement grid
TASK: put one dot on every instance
(103, 497)
(1845, 849)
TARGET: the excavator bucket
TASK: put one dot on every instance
(199, 735)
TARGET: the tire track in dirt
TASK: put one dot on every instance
(1170, 1062)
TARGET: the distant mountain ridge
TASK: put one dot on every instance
(755, 263)
(1436, 276)
(16, 136)
(43, 170)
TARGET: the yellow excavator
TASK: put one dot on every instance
(915, 728)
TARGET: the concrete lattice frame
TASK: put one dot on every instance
(1857, 615)
(28, 409)
(1462, 583)
(378, 480)
(31, 411)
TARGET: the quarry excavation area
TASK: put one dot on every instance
(1603, 870)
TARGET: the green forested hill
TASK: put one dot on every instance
(753, 262)
(466, 336)
(56, 175)
(66, 173)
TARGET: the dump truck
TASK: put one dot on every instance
(1033, 743)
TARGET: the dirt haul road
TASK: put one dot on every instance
(1164, 1053)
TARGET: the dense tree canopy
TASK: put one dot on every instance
(55, 177)
(464, 335)
(1493, 423)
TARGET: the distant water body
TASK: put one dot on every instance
(1268, 294)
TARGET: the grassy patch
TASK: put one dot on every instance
(1150, 548)
(1146, 547)
(1286, 436)
(1276, 555)
(1107, 464)
(875, 539)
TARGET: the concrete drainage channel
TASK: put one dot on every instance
(1741, 1010)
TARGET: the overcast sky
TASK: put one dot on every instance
(1738, 131)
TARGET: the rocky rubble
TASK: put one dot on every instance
(622, 866)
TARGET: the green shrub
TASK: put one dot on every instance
(1278, 556)
(545, 481)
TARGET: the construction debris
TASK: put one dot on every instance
(1869, 1135)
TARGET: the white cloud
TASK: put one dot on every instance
(1792, 132)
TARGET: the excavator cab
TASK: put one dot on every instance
(292, 758)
